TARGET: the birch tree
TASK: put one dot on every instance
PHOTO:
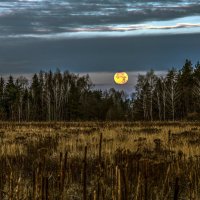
(172, 92)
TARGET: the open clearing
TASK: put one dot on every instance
(100, 160)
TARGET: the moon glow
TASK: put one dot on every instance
(121, 78)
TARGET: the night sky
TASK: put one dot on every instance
(99, 37)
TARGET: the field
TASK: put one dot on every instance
(100, 160)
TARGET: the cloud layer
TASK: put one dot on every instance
(99, 54)
(97, 35)
(46, 18)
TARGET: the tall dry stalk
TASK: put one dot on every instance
(137, 193)
(176, 189)
(99, 167)
(85, 175)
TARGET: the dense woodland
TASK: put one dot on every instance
(59, 97)
(64, 96)
(176, 96)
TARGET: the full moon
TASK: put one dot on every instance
(121, 78)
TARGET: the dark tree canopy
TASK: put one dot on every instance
(64, 96)
(59, 97)
(176, 96)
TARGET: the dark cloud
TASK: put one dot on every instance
(44, 16)
(98, 54)
(31, 35)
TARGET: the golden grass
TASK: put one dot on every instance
(138, 160)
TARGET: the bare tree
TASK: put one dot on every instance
(151, 79)
(172, 91)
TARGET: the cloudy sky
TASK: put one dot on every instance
(98, 37)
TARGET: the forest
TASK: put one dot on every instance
(65, 96)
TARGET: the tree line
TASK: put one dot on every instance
(65, 96)
(175, 96)
(56, 96)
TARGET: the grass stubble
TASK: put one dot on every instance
(100, 160)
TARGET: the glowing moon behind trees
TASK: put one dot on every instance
(121, 78)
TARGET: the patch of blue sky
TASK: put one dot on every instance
(130, 9)
(182, 20)
(110, 8)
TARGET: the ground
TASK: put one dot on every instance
(100, 160)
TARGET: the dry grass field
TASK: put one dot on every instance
(97, 161)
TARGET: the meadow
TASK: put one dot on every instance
(100, 161)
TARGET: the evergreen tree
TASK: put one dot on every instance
(185, 83)
(11, 94)
(2, 106)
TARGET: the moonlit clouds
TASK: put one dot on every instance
(54, 18)
(154, 28)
